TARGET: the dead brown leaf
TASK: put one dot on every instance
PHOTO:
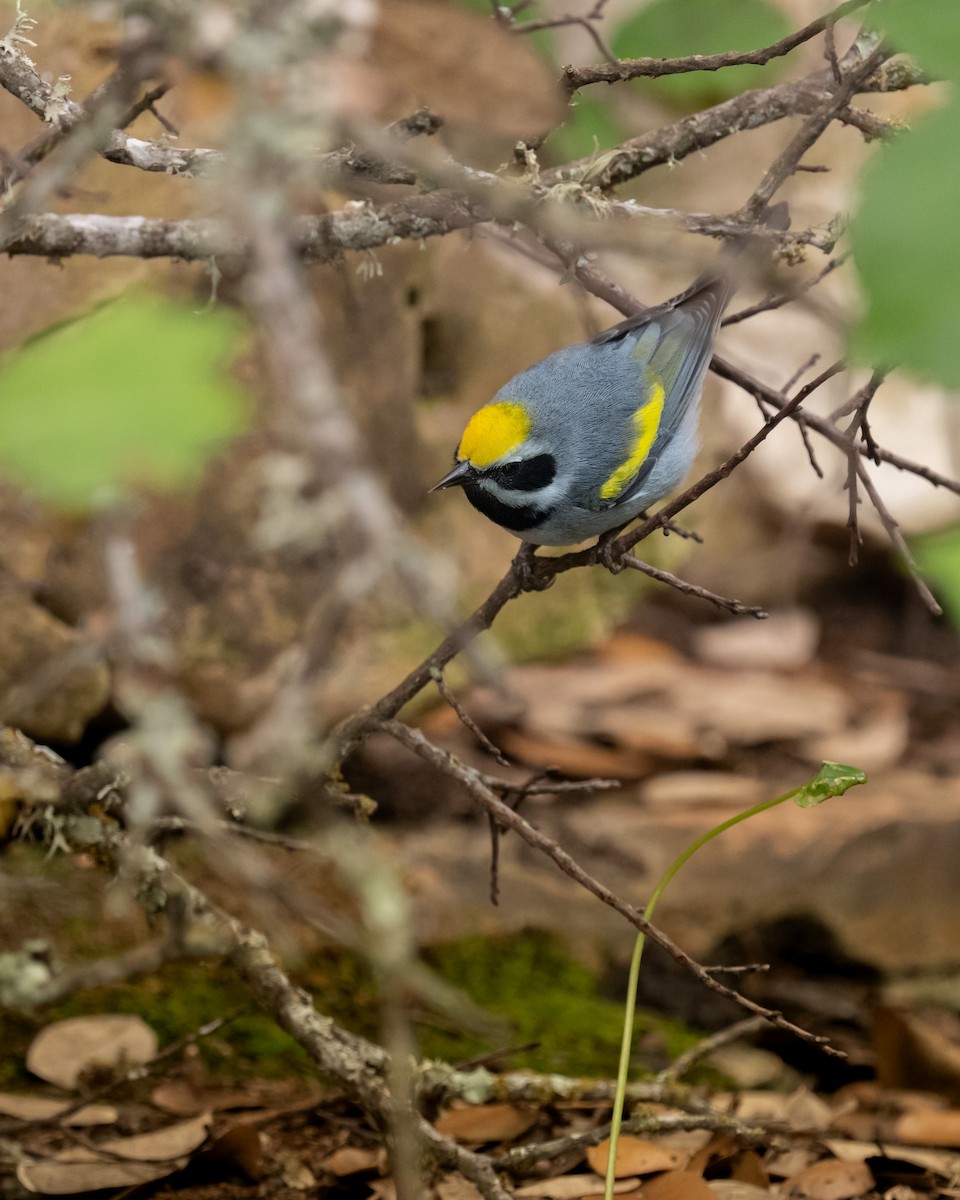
(43, 1108)
(800, 1110)
(653, 731)
(677, 1185)
(455, 1187)
(830, 1179)
(572, 1187)
(785, 1161)
(486, 1122)
(737, 1189)
(182, 1099)
(61, 1052)
(627, 645)
(635, 1156)
(581, 760)
(383, 1189)
(117, 1163)
(351, 1160)
(929, 1128)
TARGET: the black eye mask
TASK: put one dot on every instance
(527, 475)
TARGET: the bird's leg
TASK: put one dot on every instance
(525, 564)
(609, 554)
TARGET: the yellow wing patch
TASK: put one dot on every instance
(646, 422)
(493, 432)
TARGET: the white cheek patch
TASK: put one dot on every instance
(545, 497)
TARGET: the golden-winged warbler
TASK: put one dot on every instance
(585, 440)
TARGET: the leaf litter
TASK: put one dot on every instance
(797, 1149)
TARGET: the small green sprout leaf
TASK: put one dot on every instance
(833, 779)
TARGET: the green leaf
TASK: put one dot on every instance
(833, 779)
(134, 393)
(939, 557)
(676, 28)
(926, 29)
(591, 125)
(907, 254)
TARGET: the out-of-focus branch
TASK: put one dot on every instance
(622, 69)
(51, 103)
(362, 226)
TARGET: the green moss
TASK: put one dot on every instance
(549, 998)
(529, 980)
(175, 1002)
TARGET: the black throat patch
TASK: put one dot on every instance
(515, 517)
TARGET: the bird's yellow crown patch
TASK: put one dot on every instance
(646, 422)
(492, 432)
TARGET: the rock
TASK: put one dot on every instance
(822, 862)
(785, 641)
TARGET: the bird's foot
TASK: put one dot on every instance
(526, 568)
(609, 553)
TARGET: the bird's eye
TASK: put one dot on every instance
(509, 470)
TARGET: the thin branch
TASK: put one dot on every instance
(522, 1159)
(778, 301)
(786, 162)
(692, 589)
(723, 1037)
(467, 721)
(653, 68)
(898, 540)
(586, 21)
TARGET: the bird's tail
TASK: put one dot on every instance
(729, 272)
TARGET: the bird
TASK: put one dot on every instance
(584, 441)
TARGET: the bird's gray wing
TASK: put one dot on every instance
(676, 360)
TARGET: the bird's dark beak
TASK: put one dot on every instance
(459, 475)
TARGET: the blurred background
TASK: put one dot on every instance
(183, 587)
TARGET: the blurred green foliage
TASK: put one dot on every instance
(939, 557)
(929, 31)
(676, 28)
(904, 235)
(134, 393)
(591, 125)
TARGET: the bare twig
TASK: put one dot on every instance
(467, 721)
(898, 540)
(774, 302)
(786, 162)
(654, 68)
(723, 1037)
(692, 589)
(523, 1159)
